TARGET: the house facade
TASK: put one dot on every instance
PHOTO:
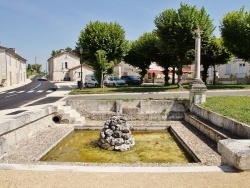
(12, 67)
(75, 72)
(124, 69)
(65, 66)
(237, 68)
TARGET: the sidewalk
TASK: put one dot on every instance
(5, 88)
(128, 179)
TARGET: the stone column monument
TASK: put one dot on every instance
(197, 86)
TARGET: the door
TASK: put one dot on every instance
(242, 70)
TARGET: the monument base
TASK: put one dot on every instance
(196, 92)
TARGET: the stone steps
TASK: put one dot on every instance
(213, 132)
(69, 115)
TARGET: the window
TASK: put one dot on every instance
(66, 65)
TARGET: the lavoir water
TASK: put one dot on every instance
(150, 147)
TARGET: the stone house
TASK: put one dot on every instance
(75, 72)
(124, 69)
(65, 66)
(237, 69)
(12, 67)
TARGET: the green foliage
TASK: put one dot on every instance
(143, 52)
(29, 73)
(236, 107)
(102, 64)
(54, 52)
(175, 29)
(29, 67)
(235, 29)
(33, 69)
(214, 53)
(109, 37)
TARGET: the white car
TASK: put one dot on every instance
(113, 81)
(90, 81)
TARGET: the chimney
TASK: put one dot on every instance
(12, 49)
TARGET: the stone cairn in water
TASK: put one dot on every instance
(116, 135)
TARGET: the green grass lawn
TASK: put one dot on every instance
(127, 89)
(236, 107)
(149, 88)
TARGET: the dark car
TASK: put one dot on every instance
(131, 80)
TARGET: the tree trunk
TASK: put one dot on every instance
(173, 75)
(166, 79)
(214, 75)
(204, 74)
(143, 73)
(180, 76)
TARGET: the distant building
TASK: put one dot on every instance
(124, 69)
(65, 66)
(12, 67)
(158, 71)
(75, 72)
(237, 68)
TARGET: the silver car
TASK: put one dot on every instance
(113, 81)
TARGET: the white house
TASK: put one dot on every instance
(237, 68)
(65, 66)
(124, 69)
(12, 67)
(75, 72)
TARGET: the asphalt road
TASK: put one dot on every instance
(35, 90)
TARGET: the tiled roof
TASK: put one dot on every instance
(12, 51)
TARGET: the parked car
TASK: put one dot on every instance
(113, 81)
(131, 80)
(90, 81)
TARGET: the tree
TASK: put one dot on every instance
(54, 52)
(29, 67)
(68, 49)
(36, 67)
(176, 32)
(235, 29)
(103, 64)
(214, 54)
(108, 37)
(142, 52)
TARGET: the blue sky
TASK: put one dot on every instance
(36, 27)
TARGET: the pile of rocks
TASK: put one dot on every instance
(116, 135)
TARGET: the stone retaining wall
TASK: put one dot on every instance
(232, 80)
(24, 125)
(133, 109)
(240, 129)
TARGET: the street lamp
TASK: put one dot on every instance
(81, 62)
